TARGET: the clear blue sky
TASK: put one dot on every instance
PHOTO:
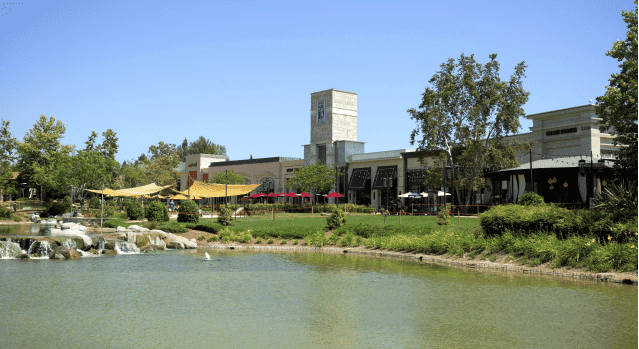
(240, 73)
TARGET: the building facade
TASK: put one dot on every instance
(378, 178)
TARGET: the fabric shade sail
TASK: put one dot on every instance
(137, 191)
(358, 178)
(179, 197)
(215, 190)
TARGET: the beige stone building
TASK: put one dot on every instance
(378, 178)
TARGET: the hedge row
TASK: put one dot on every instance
(564, 223)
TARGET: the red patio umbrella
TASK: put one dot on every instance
(291, 195)
(304, 195)
(255, 196)
(334, 195)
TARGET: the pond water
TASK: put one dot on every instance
(24, 229)
(258, 300)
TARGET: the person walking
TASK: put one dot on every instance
(172, 204)
(15, 207)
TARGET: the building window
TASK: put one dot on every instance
(321, 112)
(321, 154)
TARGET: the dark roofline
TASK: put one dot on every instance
(252, 161)
(415, 154)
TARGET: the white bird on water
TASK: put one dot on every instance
(207, 257)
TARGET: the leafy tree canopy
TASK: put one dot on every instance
(42, 159)
(8, 147)
(204, 146)
(618, 106)
(95, 165)
(221, 178)
(465, 113)
(314, 178)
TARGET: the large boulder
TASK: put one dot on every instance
(121, 229)
(138, 228)
(35, 218)
(178, 245)
(62, 252)
(83, 242)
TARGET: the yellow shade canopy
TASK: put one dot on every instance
(137, 191)
(214, 190)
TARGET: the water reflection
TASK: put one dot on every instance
(175, 299)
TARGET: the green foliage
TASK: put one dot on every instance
(207, 228)
(5, 212)
(95, 165)
(336, 219)
(270, 241)
(528, 220)
(316, 239)
(443, 216)
(114, 223)
(618, 106)
(531, 199)
(466, 112)
(57, 208)
(213, 238)
(230, 176)
(188, 212)
(8, 147)
(201, 237)
(67, 201)
(620, 200)
(42, 159)
(94, 203)
(135, 211)
(205, 146)
(314, 178)
(156, 212)
(173, 227)
(225, 216)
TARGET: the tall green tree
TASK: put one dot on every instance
(8, 147)
(314, 178)
(205, 146)
(618, 106)
(465, 113)
(161, 166)
(227, 177)
(42, 157)
(95, 165)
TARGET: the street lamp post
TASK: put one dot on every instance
(226, 188)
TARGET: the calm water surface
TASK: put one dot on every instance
(243, 299)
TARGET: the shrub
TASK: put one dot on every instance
(17, 219)
(57, 208)
(531, 199)
(114, 223)
(188, 212)
(5, 212)
(336, 219)
(135, 211)
(94, 203)
(205, 227)
(173, 227)
(270, 241)
(67, 201)
(225, 216)
(620, 199)
(213, 238)
(156, 212)
(443, 218)
(201, 237)
(258, 240)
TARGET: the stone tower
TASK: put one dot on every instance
(333, 118)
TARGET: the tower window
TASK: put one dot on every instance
(321, 112)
